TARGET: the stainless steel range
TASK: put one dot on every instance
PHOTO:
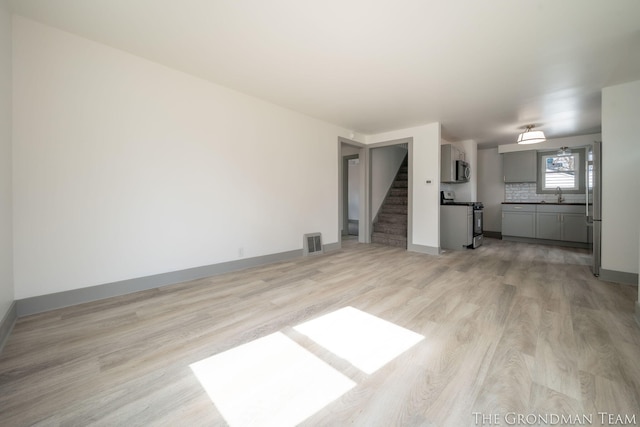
(460, 222)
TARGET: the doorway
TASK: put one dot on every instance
(352, 150)
(389, 189)
(351, 195)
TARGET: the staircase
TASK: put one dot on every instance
(390, 226)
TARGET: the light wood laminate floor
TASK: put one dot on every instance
(509, 328)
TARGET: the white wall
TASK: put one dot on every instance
(124, 168)
(6, 238)
(620, 174)
(425, 167)
(491, 187)
(385, 162)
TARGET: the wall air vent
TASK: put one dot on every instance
(312, 244)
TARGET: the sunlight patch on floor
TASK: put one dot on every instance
(271, 381)
(364, 340)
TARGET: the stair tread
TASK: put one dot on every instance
(391, 223)
(391, 218)
(393, 209)
(399, 232)
(388, 236)
(397, 219)
(396, 200)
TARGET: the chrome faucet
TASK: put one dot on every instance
(559, 193)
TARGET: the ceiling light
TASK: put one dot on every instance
(564, 151)
(531, 136)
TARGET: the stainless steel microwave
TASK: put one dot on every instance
(453, 168)
(463, 171)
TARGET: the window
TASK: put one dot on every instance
(564, 171)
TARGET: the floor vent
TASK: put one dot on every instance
(312, 244)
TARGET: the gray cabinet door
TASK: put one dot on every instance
(456, 226)
(519, 166)
(548, 226)
(519, 224)
(458, 154)
(574, 228)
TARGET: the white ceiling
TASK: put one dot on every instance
(481, 68)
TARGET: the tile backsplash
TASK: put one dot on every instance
(526, 192)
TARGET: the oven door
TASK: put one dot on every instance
(477, 222)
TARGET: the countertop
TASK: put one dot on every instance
(543, 203)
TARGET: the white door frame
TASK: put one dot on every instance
(363, 155)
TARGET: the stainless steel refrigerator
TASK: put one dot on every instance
(593, 177)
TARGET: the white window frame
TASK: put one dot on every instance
(578, 172)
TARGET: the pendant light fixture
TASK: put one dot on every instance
(531, 136)
(564, 151)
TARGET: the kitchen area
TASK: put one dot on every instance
(542, 194)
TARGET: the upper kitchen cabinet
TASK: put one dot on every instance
(451, 153)
(519, 166)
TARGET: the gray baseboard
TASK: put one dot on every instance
(618, 277)
(638, 313)
(328, 247)
(56, 300)
(429, 250)
(6, 326)
(546, 242)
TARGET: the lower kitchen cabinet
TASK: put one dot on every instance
(561, 223)
(574, 228)
(519, 220)
(456, 226)
(548, 226)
